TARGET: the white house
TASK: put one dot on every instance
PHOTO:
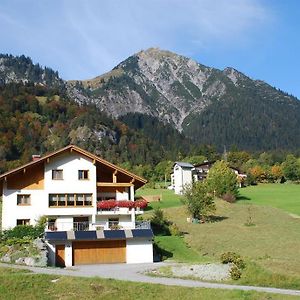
(186, 173)
(181, 176)
(89, 204)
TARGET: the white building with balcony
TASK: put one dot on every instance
(89, 204)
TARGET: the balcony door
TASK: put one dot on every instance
(80, 223)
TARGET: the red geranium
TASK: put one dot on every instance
(107, 204)
(141, 204)
(125, 203)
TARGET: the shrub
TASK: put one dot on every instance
(174, 230)
(239, 262)
(235, 273)
(22, 231)
(159, 223)
(229, 257)
(42, 222)
(228, 197)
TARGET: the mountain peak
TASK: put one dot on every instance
(155, 52)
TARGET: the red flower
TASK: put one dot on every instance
(112, 203)
(141, 204)
(125, 203)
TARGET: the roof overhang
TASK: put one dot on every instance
(137, 180)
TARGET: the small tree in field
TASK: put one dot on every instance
(199, 202)
(222, 180)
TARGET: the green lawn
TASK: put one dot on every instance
(271, 246)
(16, 284)
(168, 198)
(283, 196)
(177, 250)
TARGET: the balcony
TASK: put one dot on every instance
(85, 226)
(67, 226)
(120, 207)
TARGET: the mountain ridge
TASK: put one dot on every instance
(209, 106)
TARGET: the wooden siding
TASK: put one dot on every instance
(99, 252)
(108, 189)
(30, 179)
(60, 255)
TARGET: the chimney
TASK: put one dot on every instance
(35, 157)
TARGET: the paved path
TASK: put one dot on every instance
(134, 272)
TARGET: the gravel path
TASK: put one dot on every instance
(134, 272)
(217, 272)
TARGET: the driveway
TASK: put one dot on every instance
(134, 272)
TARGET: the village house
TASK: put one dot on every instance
(185, 173)
(89, 203)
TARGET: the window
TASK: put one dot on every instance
(113, 223)
(52, 224)
(23, 222)
(23, 200)
(70, 200)
(83, 174)
(88, 200)
(53, 200)
(61, 200)
(57, 174)
(80, 200)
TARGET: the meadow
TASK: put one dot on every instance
(262, 226)
(18, 284)
(283, 196)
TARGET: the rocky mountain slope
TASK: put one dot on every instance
(21, 69)
(156, 91)
(221, 107)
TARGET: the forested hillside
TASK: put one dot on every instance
(216, 110)
(35, 119)
(210, 106)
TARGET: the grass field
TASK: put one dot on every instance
(168, 198)
(178, 250)
(16, 284)
(271, 246)
(283, 196)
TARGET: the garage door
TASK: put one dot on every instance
(99, 252)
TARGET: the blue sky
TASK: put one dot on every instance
(85, 38)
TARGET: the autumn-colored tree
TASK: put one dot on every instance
(258, 173)
(276, 172)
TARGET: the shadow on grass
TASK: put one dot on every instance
(160, 254)
(241, 198)
(214, 219)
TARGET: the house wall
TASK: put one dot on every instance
(70, 164)
(139, 251)
(182, 177)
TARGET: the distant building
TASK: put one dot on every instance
(186, 173)
(181, 175)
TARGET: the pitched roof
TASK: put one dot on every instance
(78, 150)
(183, 164)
